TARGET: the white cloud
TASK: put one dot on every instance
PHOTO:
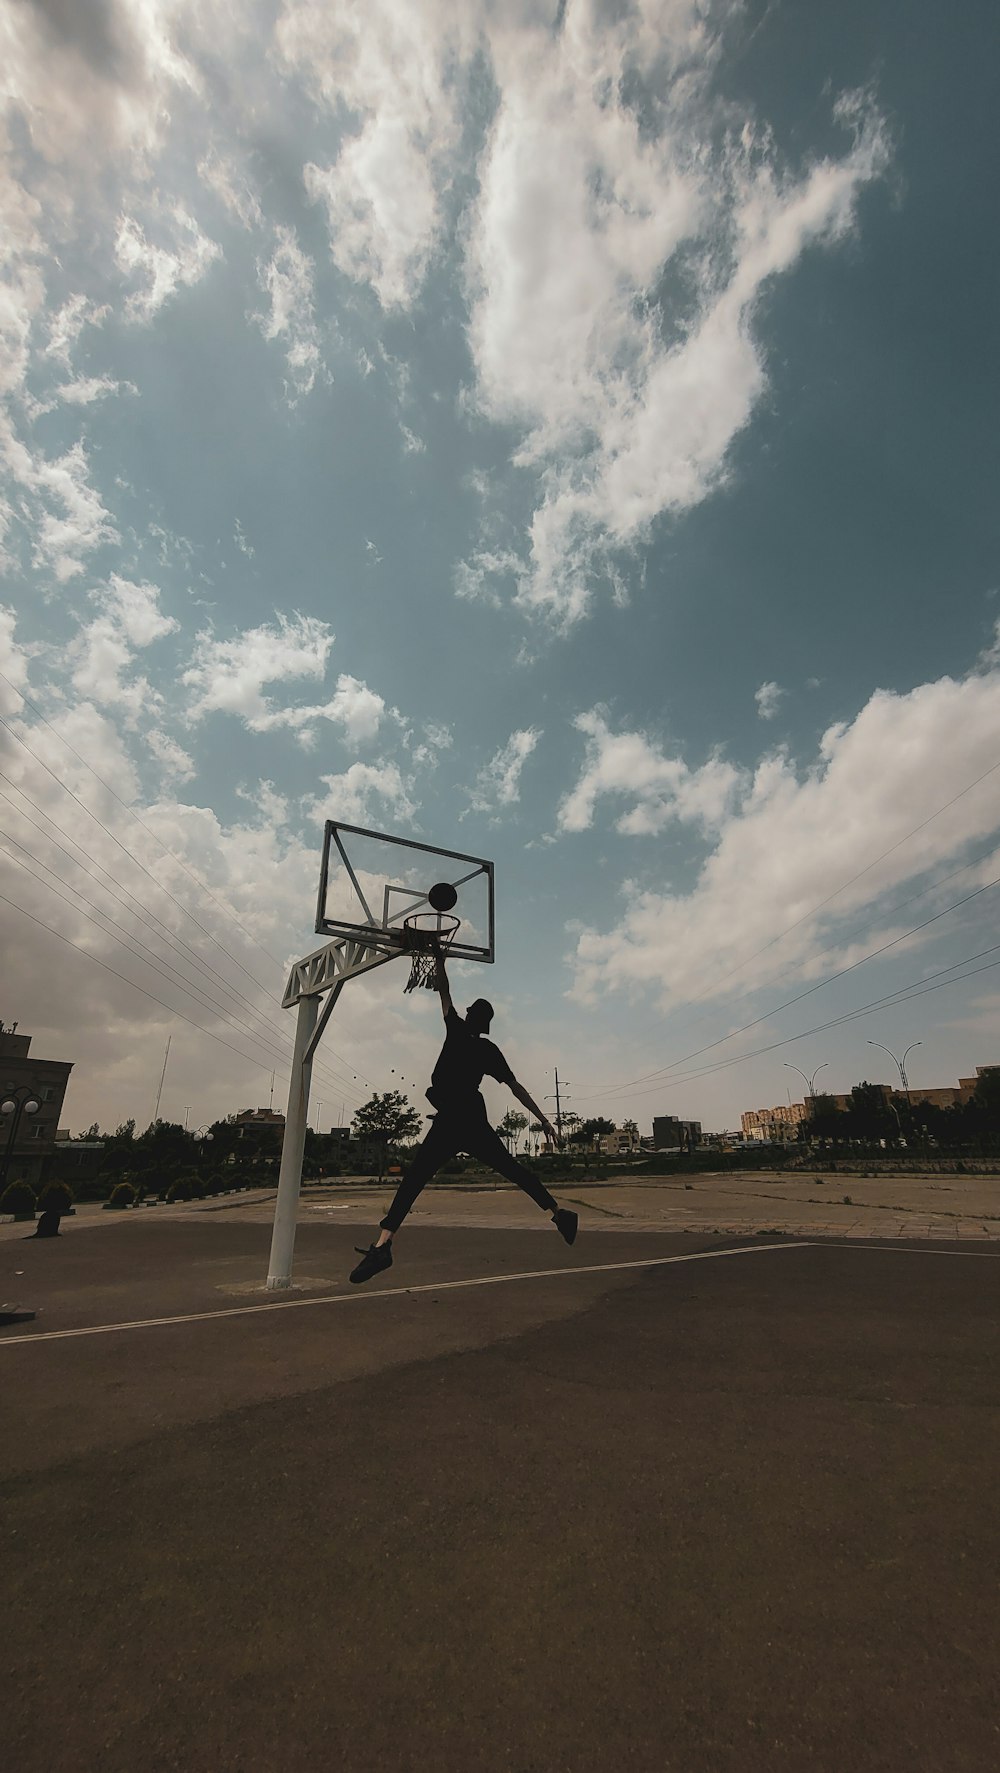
(353, 707)
(229, 181)
(90, 82)
(614, 268)
(84, 525)
(105, 647)
(13, 662)
(797, 834)
(68, 322)
(631, 766)
(767, 698)
(394, 66)
(177, 765)
(230, 675)
(161, 270)
(287, 278)
(364, 792)
(498, 783)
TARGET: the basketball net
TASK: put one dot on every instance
(427, 936)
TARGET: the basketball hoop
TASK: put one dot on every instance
(426, 936)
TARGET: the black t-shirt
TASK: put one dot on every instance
(464, 1060)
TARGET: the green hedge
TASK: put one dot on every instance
(56, 1197)
(19, 1199)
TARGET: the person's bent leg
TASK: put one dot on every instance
(489, 1146)
(435, 1150)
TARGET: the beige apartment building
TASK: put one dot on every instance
(773, 1124)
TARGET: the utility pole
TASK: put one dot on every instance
(557, 1099)
(163, 1074)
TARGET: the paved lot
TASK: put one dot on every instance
(666, 1500)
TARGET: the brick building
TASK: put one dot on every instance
(22, 1072)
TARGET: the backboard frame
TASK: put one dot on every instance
(398, 902)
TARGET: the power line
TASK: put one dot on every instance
(905, 994)
(778, 1008)
(839, 941)
(147, 918)
(251, 1059)
(143, 912)
(134, 815)
(129, 853)
(805, 918)
(135, 945)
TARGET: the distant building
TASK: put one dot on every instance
(773, 1125)
(46, 1079)
(619, 1143)
(669, 1133)
(783, 1122)
(259, 1117)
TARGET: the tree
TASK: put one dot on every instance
(593, 1130)
(537, 1132)
(824, 1119)
(389, 1114)
(512, 1124)
(869, 1116)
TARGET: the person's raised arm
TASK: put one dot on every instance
(542, 1118)
(443, 988)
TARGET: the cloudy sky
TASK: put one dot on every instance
(559, 430)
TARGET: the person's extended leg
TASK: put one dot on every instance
(435, 1150)
(488, 1145)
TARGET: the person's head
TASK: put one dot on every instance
(478, 1016)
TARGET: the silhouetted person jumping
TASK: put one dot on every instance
(461, 1124)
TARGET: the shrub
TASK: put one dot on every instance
(179, 1190)
(56, 1197)
(18, 1199)
(123, 1195)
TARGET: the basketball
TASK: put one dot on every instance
(442, 897)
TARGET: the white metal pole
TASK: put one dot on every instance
(293, 1145)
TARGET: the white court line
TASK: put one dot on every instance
(894, 1249)
(487, 1280)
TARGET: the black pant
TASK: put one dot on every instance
(450, 1133)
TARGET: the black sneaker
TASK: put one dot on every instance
(566, 1223)
(374, 1261)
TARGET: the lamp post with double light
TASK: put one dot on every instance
(17, 1102)
(900, 1065)
(810, 1082)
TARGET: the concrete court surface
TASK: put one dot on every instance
(727, 1511)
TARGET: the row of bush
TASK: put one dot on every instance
(20, 1200)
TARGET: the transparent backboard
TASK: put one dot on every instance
(371, 881)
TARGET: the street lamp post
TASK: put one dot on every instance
(899, 1063)
(21, 1100)
(810, 1082)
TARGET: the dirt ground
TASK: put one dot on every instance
(664, 1500)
